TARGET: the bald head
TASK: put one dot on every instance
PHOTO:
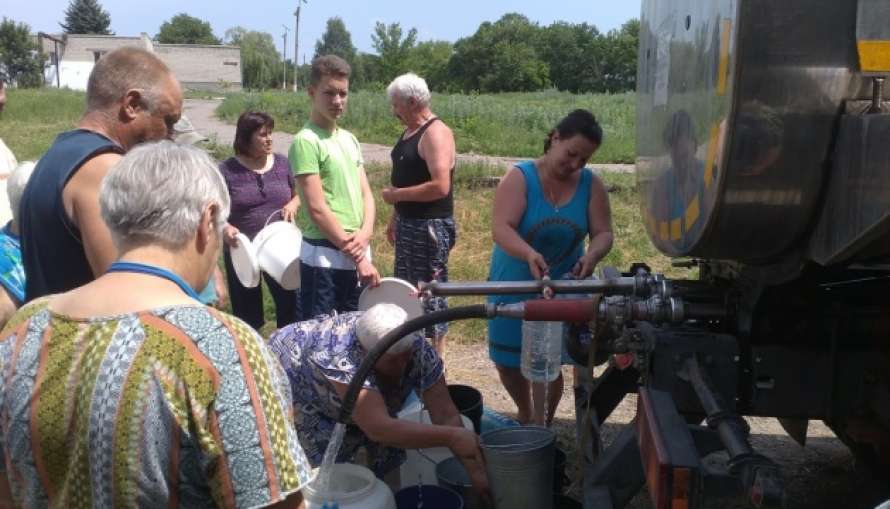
(123, 70)
(132, 97)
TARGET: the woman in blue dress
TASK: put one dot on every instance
(543, 211)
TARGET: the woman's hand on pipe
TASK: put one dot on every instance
(536, 264)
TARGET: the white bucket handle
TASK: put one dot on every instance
(279, 211)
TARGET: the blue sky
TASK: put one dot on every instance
(448, 20)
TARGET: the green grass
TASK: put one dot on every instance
(33, 117)
(512, 125)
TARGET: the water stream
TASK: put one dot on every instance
(325, 472)
(325, 481)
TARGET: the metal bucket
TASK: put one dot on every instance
(520, 466)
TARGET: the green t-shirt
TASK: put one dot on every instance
(337, 159)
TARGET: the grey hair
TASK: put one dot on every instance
(158, 192)
(377, 321)
(125, 69)
(15, 185)
(409, 86)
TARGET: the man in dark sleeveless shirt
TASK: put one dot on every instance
(132, 97)
(422, 226)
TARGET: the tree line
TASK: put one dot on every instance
(512, 54)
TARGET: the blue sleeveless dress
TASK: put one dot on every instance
(558, 234)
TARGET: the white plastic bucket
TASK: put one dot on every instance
(353, 487)
(244, 261)
(423, 461)
(278, 252)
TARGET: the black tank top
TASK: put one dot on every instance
(52, 250)
(409, 169)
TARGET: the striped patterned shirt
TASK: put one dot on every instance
(180, 406)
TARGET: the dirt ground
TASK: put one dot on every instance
(821, 475)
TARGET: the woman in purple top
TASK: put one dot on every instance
(260, 185)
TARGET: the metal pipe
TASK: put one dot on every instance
(731, 429)
(760, 479)
(877, 96)
(620, 285)
(704, 311)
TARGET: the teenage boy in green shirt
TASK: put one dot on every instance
(337, 201)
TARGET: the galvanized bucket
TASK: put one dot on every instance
(519, 461)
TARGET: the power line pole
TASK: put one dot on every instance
(284, 56)
(297, 40)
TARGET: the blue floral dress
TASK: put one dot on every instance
(316, 352)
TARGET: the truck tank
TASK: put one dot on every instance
(742, 150)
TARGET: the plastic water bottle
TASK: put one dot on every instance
(541, 357)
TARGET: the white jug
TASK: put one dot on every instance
(352, 487)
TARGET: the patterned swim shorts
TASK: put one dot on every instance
(422, 248)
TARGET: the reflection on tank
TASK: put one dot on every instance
(758, 139)
(681, 182)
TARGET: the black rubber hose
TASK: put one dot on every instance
(419, 323)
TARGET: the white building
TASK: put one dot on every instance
(196, 66)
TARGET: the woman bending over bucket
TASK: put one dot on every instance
(321, 357)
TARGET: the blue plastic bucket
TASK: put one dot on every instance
(492, 420)
(434, 497)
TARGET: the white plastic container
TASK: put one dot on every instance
(353, 487)
(423, 461)
(541, 357)
(277, 248)
(392, 290)
(244, 260)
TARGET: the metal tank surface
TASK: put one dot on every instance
(737, 110)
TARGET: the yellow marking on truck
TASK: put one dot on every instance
(874, 56)
(723, 70)
(677, 229)
(712, 155)
(692, 212)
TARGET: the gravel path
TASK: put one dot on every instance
(201, 113)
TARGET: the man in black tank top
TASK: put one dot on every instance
(132, 97)
(422, 225)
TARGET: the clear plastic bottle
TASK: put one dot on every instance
(541, 357)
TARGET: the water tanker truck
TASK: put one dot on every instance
(763, 163)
